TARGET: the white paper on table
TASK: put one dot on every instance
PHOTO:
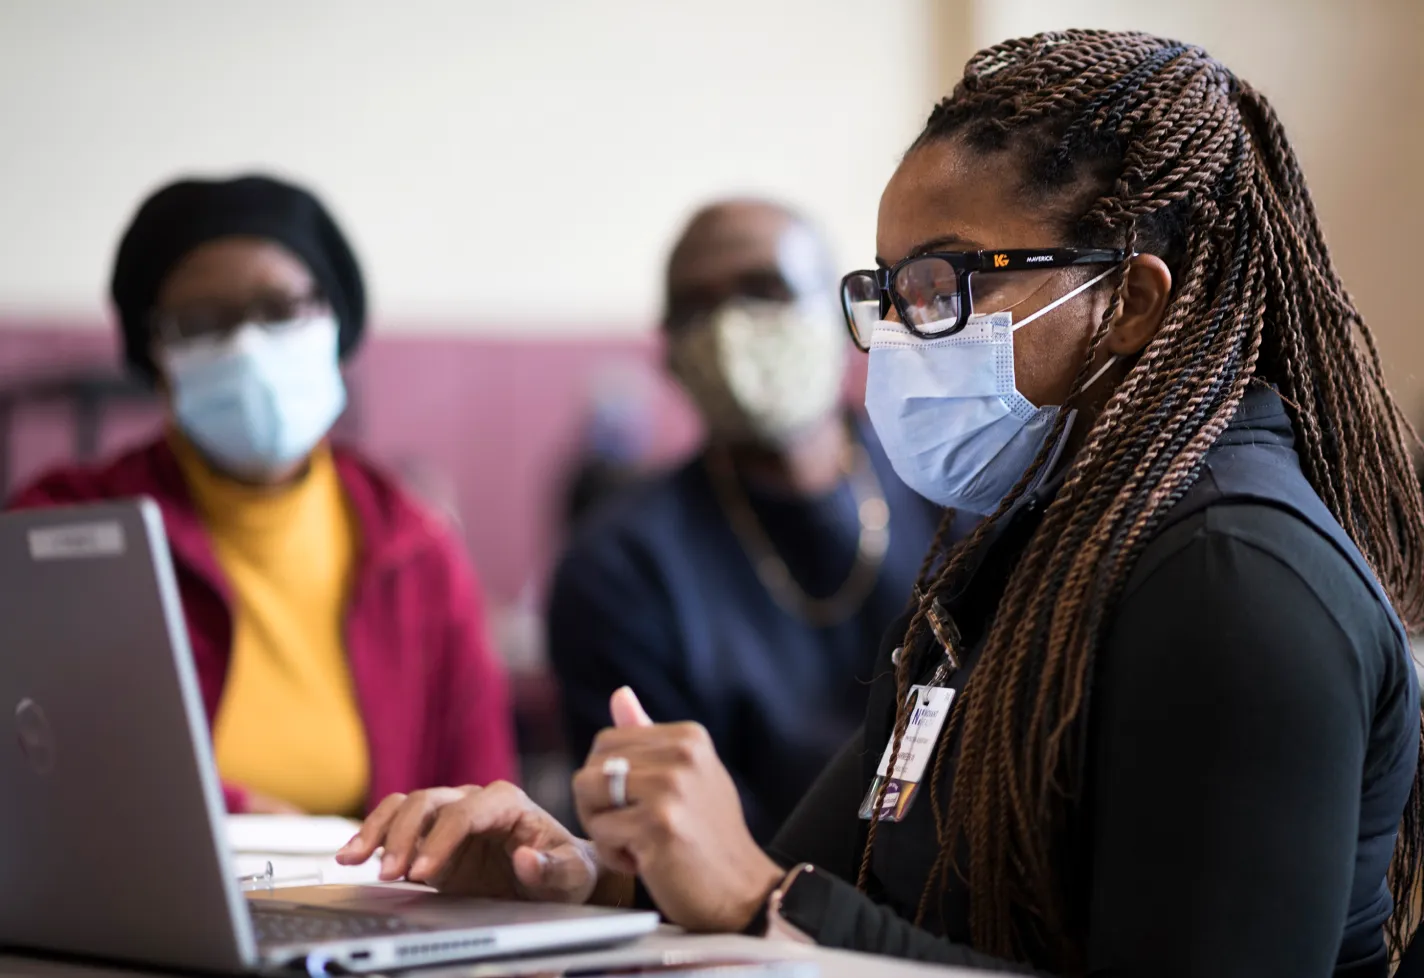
(299, 847)
(304, 870)
(293, 835)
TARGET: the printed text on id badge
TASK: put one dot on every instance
(929, 708)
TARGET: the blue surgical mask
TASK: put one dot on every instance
(260, 399)
(947, 411)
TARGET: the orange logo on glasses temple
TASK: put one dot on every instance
(1001, 261)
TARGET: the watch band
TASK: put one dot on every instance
(778, 928)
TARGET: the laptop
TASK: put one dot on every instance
(112, 840)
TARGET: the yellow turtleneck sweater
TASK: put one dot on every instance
(288, 725)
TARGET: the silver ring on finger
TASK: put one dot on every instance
(615, 769)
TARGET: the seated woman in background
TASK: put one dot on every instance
(335, 623)
(1155, 716)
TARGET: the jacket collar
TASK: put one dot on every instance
(394, 530)
(1261, 419)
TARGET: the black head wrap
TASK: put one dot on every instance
(183, 215)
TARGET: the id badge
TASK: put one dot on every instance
(929, 708)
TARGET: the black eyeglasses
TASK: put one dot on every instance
(935, 293)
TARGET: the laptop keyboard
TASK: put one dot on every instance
(276, 926)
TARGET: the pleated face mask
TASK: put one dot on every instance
(261, 399)
(948, 411)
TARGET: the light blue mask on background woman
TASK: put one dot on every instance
(260, 399)
(948, 413)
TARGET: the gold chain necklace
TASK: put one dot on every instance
(871, 546)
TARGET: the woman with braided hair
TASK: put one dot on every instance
(1165, 721)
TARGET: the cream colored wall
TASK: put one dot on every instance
(462, 139)
(504, 167)
(1348, 80)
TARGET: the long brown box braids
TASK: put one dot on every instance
(1162, 149)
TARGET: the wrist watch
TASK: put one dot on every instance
(778, 928)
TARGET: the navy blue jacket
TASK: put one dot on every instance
(656, 592)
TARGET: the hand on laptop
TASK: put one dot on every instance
(681, 830)
(488, 842)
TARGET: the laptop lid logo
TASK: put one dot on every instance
(35, 735)
(77, 541)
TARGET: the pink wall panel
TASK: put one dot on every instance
(502, 417)
(497, 418)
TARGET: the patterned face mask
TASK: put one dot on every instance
(762, 372)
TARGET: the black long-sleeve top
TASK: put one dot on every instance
(1253, 734)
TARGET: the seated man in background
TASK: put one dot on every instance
(335, 624)
(748, 589)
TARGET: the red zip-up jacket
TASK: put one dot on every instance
(430, 690)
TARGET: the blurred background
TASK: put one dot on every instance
(512, 174)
